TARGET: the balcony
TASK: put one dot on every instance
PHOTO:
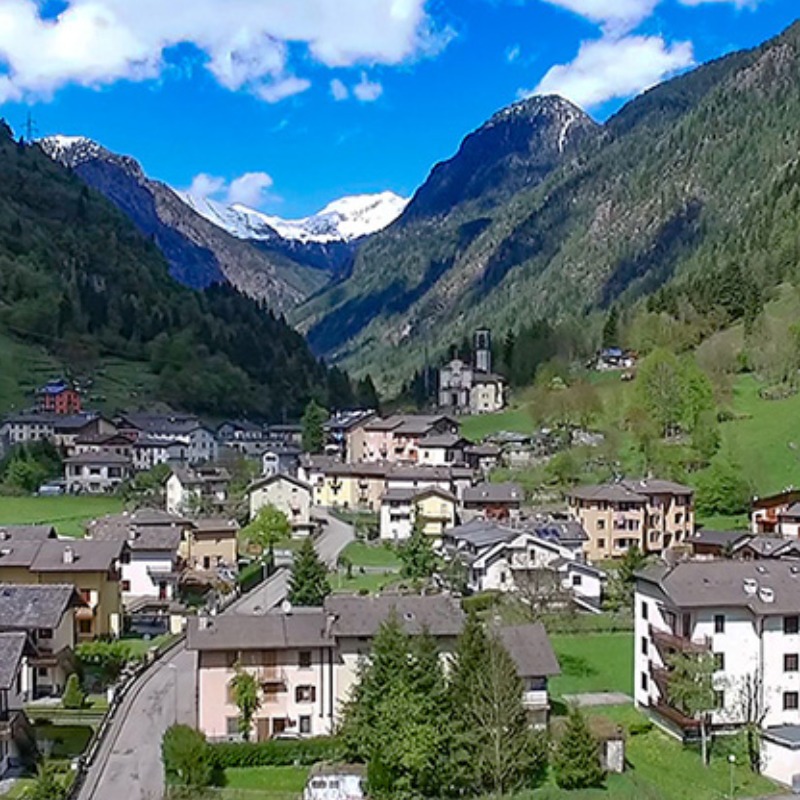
(669, 643)
(535, 699)
(686, 724)
(660, 676)
(272, 678)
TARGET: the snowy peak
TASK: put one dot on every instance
(73, 151)
(343, 220)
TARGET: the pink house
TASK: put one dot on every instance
(396, 439)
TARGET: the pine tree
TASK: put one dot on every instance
(308, 584)
(611, 328)
(73, 696)
(576, 763)
(416, 555)
(313, 422)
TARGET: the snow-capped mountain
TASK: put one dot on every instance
(343, 220)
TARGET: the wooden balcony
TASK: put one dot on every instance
(667, 642)
(272, 678)
(676, 717)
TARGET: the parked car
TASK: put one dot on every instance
(52, 489)
(336, 782)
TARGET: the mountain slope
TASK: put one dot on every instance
(693, 185)
(199, 252)
(78, 279)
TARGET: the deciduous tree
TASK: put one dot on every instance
(247, 696)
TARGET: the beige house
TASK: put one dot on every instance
(653, 515)
(211, 543)
(401, 508)
(307, 661)
(288, 494)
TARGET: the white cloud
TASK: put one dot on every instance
(513, 53)
(339, 91)
(244, 42)
(249, 189)
(737, 3)
(614, 15)
(282, 88)
(367, 91)
(610, 68)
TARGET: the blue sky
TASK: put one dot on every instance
(315, 99)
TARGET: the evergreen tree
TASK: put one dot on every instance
(611, 328)
(367, 395)
(308, 583)
(416, 554)
(73, 696)
(576, 763)
(46, 785)
(314, 419)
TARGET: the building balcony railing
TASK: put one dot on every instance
(675, 716)
(273, 678)
(670, 642)
(535, 699)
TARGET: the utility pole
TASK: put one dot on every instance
(30, 128)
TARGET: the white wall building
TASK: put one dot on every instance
(747, 614)
(288, 494)
(100, 472)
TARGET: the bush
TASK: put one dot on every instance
(251, 576)
(576, 764)
(640, 728)
(187, 758)
(479, 603)
(73, 696)
(276, 752)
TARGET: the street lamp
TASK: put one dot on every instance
(732, 762)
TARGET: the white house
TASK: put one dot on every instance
(400, 509)
(189, 489)
(96, 472)
(747, 614)
(288, 494)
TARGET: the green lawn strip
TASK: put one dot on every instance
(268, 779)
(139, 646)
(67, 514)
(598, 662)
(362, 554)
(371, 582)
(517, 420)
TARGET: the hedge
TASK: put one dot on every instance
(276, 752)
(251, 576)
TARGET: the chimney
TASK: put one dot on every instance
(4, 535)
(68, 556)
(203, 622)
(133, 534)
(766, 595)
(750, 586)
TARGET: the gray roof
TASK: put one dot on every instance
(19, 553)
(630, 491)
(442, 440)
(12, 647)
(281, 476)
(561, 531)
(717, 538)
(88, 555)
(530, 648)
(494, 493)
(216, 525)
(100, 457)
(483, 450)
(29, 533)
(26, 607)
(190, 477)
(141, 537)
(440, 615)
(720, 584)
(765, 546)
(481, 533)
(786, 735)
(405, 495)
(174, 424)
(792, 512)
(301, 628)
(423, 472)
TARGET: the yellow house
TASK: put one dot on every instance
(92, 567)
(211, 543)
(350, 486)
(401, 508)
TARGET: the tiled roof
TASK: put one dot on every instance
(531, 650)
(28, 607)
(12, 646)
(494, 493)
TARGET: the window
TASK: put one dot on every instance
(719, 699)
(44, 633)
(790, 701)
(644, 609)
(126, 586)
(577, 580)
(644, 681)
(305, 694)
(601, 543)
(719, 623)
(644, 645)
(791, 625)
(304, 659)
(41, 672)
(305, 724)
(84, 626)
(790, 662)
(601, 524)
(232, 726)
(719, 662)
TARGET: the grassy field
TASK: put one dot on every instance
(269, 783)
(516, 419)
(68, 514)
(371, 581)
(362, 554)
(601, 662)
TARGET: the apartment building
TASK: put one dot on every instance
(747, 614)
(289, 495)
(99, 471)
(653, 515)
(401, 508)
(776, 514)
(396, 439)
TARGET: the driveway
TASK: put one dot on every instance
(128, 766)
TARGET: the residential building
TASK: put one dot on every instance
(29, 426)
(46, 615)
(99, 471)
(59, 397)
(190, 491)
(13, 723)
(473, 389)
(777, 514)
(288, 494)
(747, 614)
(396, 439)
(149, 451)
(500, 501)
(482, 457)
(340, 425)
(212, 544)
(286, 435)
(280, 460)
(307, 660)
(92, 567)
(102, 443)
(434, 507)
(442, 449)
(198, 441)
(652, 515)
(232, 432)
(706, 544)
(149, 564)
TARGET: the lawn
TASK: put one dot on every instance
(269, 783)
(476, 428)
(362, 554)
(138, 646)
(68, 514)
(600, 662)
(67, 741)
(371, 581)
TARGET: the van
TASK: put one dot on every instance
(336, 782)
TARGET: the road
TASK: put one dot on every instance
(128, 765)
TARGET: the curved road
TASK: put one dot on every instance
(128, 765)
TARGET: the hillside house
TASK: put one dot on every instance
(59, 397)
(289, 495)
(280, 460)
(434, 507)
(776, 514)
(190, 491)
(396, 439)
(100, 471)
(499, 501)
(13, 722)
(212, 545)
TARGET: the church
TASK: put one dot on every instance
(473, 389)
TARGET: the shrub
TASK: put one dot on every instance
(479, 603)
(187, 758)
(576, 764)
(103, 659)
(73, 696)
(276, 752)
(640, 728)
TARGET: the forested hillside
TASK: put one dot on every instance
(77, 278)
(690, 196)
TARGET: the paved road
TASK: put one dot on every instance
(128, 766)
